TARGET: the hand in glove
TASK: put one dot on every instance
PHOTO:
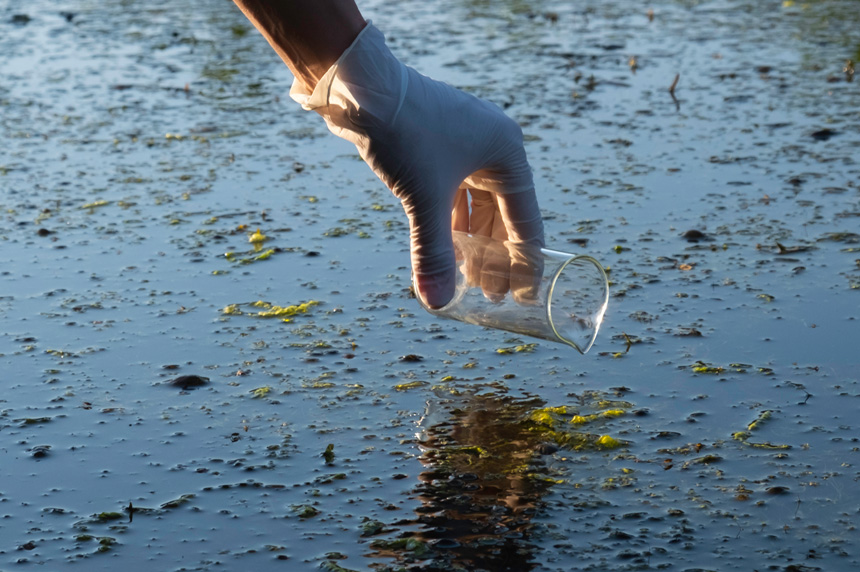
(430, 143)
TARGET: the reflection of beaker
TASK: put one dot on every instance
(528, 290)
(477, 491)
(485, 475)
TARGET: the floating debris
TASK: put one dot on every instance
(792, 249)
(40, 451)
(694, 235)
(824, 134)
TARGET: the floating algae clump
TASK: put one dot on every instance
(95, 204)
(305, 511)
(260, 392)
(607, 442)
(269, 310)
(272, 311)
(553, 423)
(413, 545)
(254, 256)
(410, 385)
(609, 413)
(744, 436)
(524, 348)
(702, 367)
(331, 566)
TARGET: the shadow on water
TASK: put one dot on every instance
(488, 463)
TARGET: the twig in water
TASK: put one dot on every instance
(674, 84)
(672, 91)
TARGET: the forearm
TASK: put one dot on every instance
(309, 35)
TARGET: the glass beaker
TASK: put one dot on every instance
(528, 290)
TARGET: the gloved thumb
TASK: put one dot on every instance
(432, 251)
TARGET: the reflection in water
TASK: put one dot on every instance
(486, 471)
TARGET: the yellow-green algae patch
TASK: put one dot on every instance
(744, 436)
(260, 392)
(410, 385)
(251, 257)
(583, 419)
(557, 425)
(95, 204)
(269, 310)
(523, 348)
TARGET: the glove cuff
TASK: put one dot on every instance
(367, 79)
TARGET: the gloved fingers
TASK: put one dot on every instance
(495, 271)
(527, 267)
(506, 172)
(432, 252)
(479, 212)
(500, 229)
(521, 216)
(496, 265)
(489, 265)
(483, 214)
(460, 213)
(524, 224)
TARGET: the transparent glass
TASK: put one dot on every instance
(528, 290)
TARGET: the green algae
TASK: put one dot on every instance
(371, 527)
(410, 385)
(328, 454)
(331, 566)
(755, 424)
(412, 545)
(106, 543)
(269, 310)
(522, 348)
(95, 204)
(260, 392)
(580, 441)
(562, 424)
(758, 421)
(305, 511)
(249, 257)
(177, 502)
(702, 367)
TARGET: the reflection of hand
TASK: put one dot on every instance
(499, 267)
(427, 141)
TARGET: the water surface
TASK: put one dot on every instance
(712, 427)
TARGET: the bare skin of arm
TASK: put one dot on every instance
(309, 35)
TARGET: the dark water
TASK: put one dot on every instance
(712, 427)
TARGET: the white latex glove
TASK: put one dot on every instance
(429, 142)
